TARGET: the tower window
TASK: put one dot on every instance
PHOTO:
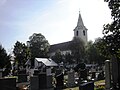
(83, 32)
(77, 33)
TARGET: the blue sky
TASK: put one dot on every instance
(55, 19)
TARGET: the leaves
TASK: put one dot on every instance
(112, 31)
(77, 50)
(4, 60)
(39, 46)
(22, 53)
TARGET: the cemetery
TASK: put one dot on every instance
(77, 64)
(48, 75)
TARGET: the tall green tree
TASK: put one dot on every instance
(78, 50)
(94, 53)
(21, 53)
(4, 61)
(112, 30)
(101, 46)
(39, 46)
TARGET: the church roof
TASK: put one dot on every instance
(60, 46)
(80, 23)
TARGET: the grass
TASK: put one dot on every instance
(75, 88)
(101, 82)
(97, 83)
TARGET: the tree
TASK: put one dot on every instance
(39, 46)
(77, 50)
(58, 57)
(90, 52)
(94, 52)
(22, 53)
(101, 50)
(101, 46)
(69, 58)
(112, 31)
(4, 61)
(112, 38)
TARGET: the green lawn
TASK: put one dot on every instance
(97, 83)
(75, 88)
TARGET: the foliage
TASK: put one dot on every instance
(100, 88)
(94, 52)
(58, 57)
(100, 85)
(39, 46)
(78, 50)
(4, 61)
(68, 58)
(22, 53)
(112, 31)
(100, 44)
(65, 58)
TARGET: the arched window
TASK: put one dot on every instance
(84, 32)
(77, 33)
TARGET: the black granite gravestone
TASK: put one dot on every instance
(8, 84)
(22, 78)
(59, 81)
(94, 75)
(34, 83)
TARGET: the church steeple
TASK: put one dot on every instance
(80, 21)
(80, 30)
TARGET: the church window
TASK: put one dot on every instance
(77, 33)
(83, 32)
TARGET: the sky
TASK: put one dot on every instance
(55, 19)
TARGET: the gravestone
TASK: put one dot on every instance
(107, 75)
(59, 81)
(115, 73)
(41, 82)
(71, 79)
(34, 83)
(45, 81)
(22, 76)
(93, 75)
(1, 70)
(8, 84)
(101, 76)
(83, 74)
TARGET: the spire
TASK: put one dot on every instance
(80, 21)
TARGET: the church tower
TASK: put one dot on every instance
(80, 30)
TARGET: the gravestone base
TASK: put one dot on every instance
(87, 86)
(48, 89)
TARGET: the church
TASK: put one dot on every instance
(80, 31)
